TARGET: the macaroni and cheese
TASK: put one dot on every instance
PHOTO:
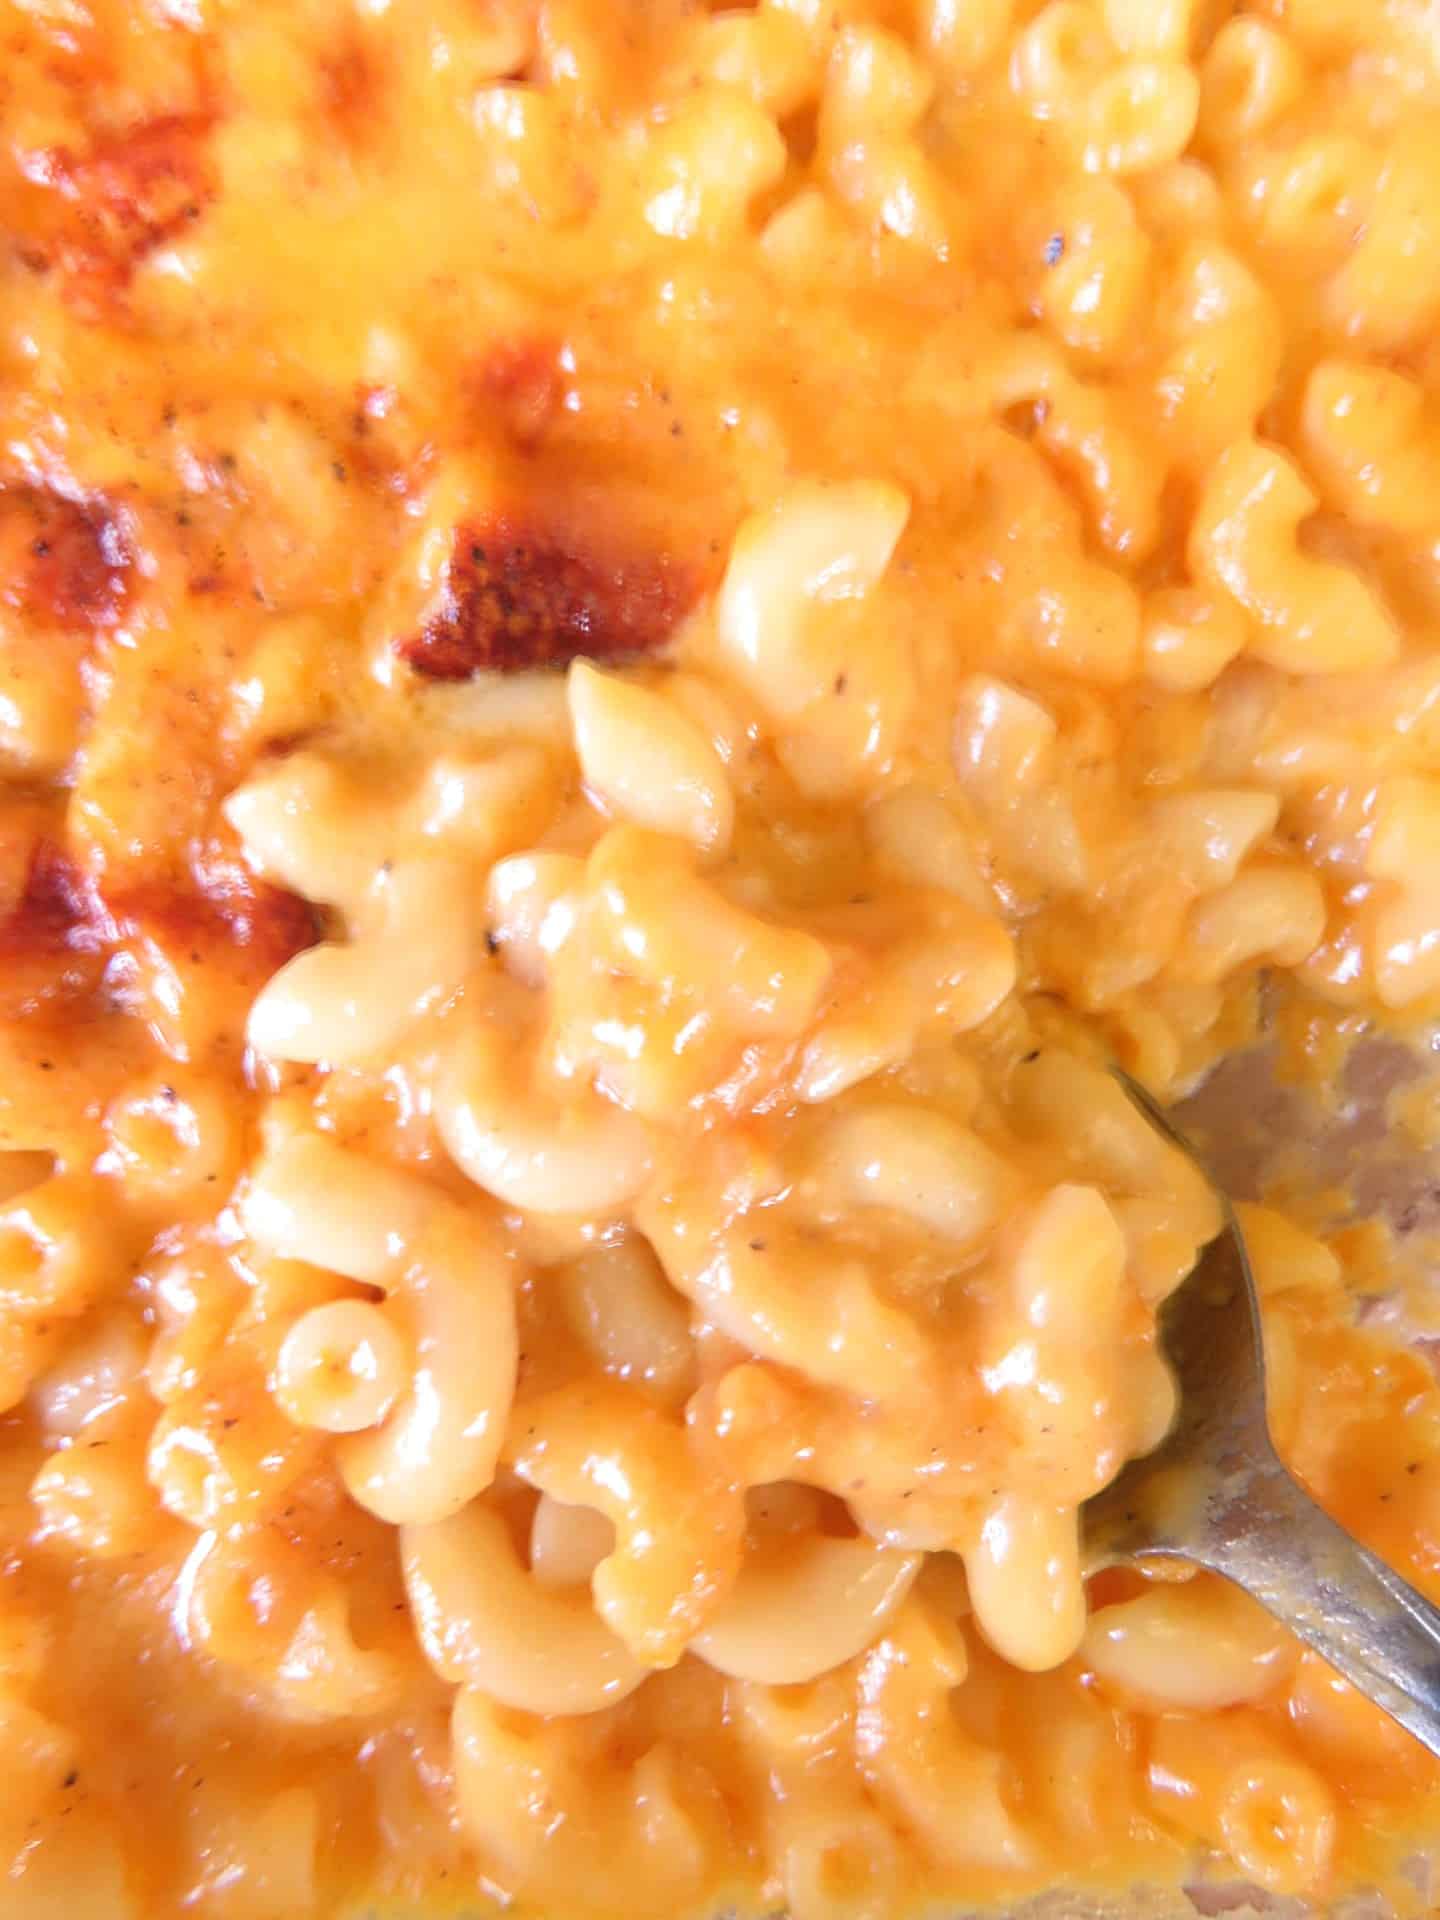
(635, 638)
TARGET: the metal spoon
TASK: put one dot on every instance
(1215, 1493)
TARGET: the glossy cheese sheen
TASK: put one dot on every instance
(633, 638)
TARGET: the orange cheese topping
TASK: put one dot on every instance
(633, 638)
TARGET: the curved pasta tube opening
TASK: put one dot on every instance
(1311, 615)
(57, 1245)
(341, 1367)
(567, 1543)
(310, 1667)
(794, 1300)
(346, 1004)
(440, 1444)
(541, 1153)
(486, 1621)
(679, 1525)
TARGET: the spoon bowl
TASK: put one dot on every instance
(1215, 1493)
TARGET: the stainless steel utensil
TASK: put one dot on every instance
(1215, 1493)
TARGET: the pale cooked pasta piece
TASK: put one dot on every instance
(634, 1323)
(95, 1374)
(311, 1199)
(94, 1496)
(1372, 445)
(442, 1371)
(484, 805)
(1274, 1814)
(1202, 837)
(532, 903)
(828, 1842)
(550, 1152)
(1025, 1586)
(1159, 27)
(1310, 615)
(1406, 937)
(764, 54)
(653, 917)
(57, 1245)
(268, 1841)
(304, 1658)
(950, 973)
(1146, 1648)
(520, 146)
(707, 163)
(414, 943)
(647, 1834)
(780, 1293)
(963, 34)
(795, 1723)
(1250, 75)
(1085, 1113)
(677, 1518)
(646, 761)
(1091, 287)
(922, 840)
(485, 1621)
(1068, 1276)
(839, 691)
(1139, 116)
(918, 1163)
(1278, 1823)
(302, 824)
(1378, 296)
(1272, 910)
(819, 1604)
(1190, 635)
(439, 1445)
(1056, 57)
(876, 93)
(940, 1781)
(341, 1366)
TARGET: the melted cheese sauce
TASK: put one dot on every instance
(362, 366)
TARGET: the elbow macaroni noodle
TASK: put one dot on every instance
(607, 718)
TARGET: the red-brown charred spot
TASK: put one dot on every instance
(144, 185)
(189, 952)
(57, 913)
(350, 91)
(516, 597)
(65, 563)
(115, 203)
(270, 923)
(520, 387)
(53, 940)
(228, 919)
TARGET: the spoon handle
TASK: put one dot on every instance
(1335, 1595)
